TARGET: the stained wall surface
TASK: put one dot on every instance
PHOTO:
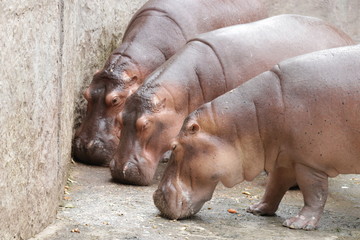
(344, 14)
(49, 52)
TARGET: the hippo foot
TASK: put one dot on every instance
(261, 209)
(301, 222)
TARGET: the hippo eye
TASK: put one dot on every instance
(115, 101)
(133, 80)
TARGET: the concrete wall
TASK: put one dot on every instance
(49, 52)
(344, 14)
(32, 166)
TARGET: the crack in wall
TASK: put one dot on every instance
(60, 81)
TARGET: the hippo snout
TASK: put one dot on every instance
(88, 144)
(173, 203)
(129, 173)
(93, 144)
(91, 151)
(162, 202)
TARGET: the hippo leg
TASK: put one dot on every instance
(279, 181)
(314, 187)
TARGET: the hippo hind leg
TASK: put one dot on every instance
(279, 181)
(314, 187)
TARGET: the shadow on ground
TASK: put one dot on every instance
(96, 208)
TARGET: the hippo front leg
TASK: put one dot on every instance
(314, 187)
(279, 181)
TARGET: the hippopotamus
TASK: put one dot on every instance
(155, 33)
(206, 67)
(298, 121)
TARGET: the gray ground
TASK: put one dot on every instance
(96, 208)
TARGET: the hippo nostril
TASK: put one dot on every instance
(94, 144)
(125, 168)
(90, 144)
(131, 169)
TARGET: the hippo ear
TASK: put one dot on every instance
(132, 81)
(129, 80)
(87, 93)
(193, 128)
(158, 104)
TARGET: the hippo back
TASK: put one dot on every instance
(326, 82)
(161, 27)
(319, 95)
(311, 34)
(199, 16)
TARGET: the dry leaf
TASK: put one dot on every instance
(75, 230)
(232, 210)
(69, 205)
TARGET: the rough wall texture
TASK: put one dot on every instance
(49, 52)
(92, 30)
(344, 14)
(31, 168)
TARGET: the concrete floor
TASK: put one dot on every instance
(96, 208)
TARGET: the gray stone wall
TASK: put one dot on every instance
(344, 14)
(32, 167)
(92, 30)
(49, 52)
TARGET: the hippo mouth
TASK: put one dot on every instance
(131, 173)
(175, 205)
(94, 153)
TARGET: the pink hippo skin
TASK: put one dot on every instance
(298, 121)
(154, 34)
(208, 66)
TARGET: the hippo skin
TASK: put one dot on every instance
(154, 34)
(299, 122)
(208, 66)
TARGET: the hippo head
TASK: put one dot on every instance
(149, 123)
(201, 157)
(98, 136)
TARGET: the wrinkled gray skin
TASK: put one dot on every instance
(205, 68)
(299, 122)
(154, 34)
